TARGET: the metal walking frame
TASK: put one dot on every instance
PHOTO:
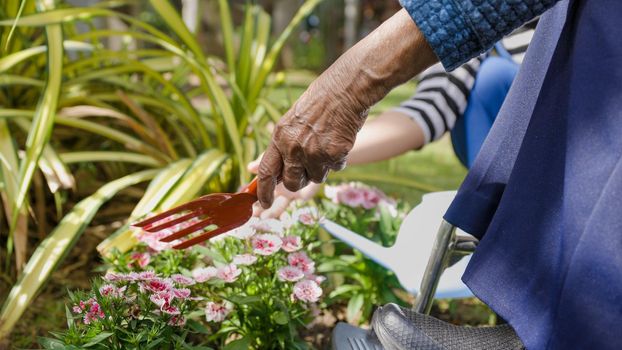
(448, 248)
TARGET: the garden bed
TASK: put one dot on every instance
(269, 284)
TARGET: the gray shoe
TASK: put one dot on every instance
(404, 329)
(347, 337)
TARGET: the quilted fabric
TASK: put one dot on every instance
(458, 30)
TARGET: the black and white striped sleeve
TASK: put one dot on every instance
(441, 97)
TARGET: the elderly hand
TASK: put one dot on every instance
(317, 133)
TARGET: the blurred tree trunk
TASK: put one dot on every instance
(209, 34)
(331, 27)
(282, 13)
(352, 9)
(190, 14)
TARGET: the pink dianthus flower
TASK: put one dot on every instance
(307, 290)
(266, 244)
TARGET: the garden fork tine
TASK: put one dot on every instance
(188, 230)
(145, 224)
(225, 210)
(205, 236)
(174, 222)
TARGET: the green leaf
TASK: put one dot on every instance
(354, 307)
(98, 339)
(103, 156)
(273, 112)
(9, 80)
(50, 253)
(198, 327)
(243, 300)
(12, 30)
(68, 316)
(280, 318)
(155, 343)
(260, 46)
(171, 17)
(9, 163)
(53, 17)
(55, 171)
(128, 141)
(202, 170)
(160, 187)
(51, 343)
(240, 344)
(243, 68)
(343, 289)
(25, 55)
(275, 50)
(42, 125)
(226, 25)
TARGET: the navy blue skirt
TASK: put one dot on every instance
(545, 193)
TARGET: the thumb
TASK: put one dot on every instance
(269, 171)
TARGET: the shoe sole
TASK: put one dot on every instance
(388, 340)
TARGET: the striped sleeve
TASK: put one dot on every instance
(441, 98)
(517, 42)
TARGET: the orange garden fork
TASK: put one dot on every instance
(227, 211)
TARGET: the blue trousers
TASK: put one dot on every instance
(492, 84)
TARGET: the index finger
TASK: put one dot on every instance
(270, 170)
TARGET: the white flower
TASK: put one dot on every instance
(229, 273)
(109, 290)
(268, 226)
(162, 298)
(308, 215)
(204, 273)
(157, 285)
(215, 312)
(307, 290)
(266, 244)
(147, 275)
(243, 232)
(182, 280)
(331, 192)
(181, 293)
(290, 273)
(244, 259)
(291, 243)
(286, 220)
(390, 207)
(302, 261)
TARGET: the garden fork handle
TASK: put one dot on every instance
(251, 188)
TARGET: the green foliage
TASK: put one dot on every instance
(363, 283)
(132, 111)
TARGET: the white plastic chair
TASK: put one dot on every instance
(425, 247)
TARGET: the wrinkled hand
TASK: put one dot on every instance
(282, 196)
(313, 137)
(317, 133)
